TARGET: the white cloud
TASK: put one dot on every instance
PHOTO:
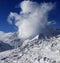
(51, 22)
(32, 19)
(28, 6)
(5, 36)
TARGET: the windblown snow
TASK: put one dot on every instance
(32, 18)
(34, 51)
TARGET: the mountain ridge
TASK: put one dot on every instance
(14, 41)
(35, 51)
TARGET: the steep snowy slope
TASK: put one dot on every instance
(34, 51)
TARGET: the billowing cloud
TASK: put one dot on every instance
(32, 19)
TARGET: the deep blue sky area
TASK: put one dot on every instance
(7, 6)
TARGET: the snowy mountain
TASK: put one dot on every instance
(34, 51)
(13, 41)
(9, 41)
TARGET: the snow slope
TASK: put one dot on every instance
(34, 51)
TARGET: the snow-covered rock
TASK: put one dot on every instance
(34, 51)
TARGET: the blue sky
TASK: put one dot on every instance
(7, 6)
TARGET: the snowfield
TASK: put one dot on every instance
(34, 51)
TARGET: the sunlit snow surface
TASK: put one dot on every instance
(34, 51)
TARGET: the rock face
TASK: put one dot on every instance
(34, 51)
